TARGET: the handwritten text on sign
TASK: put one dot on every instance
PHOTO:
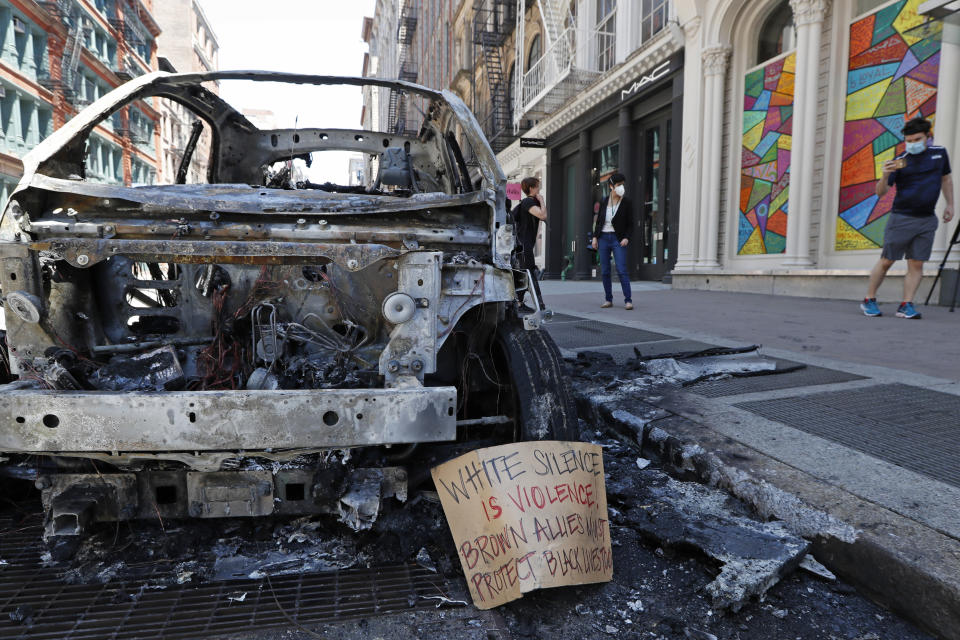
(526, 516)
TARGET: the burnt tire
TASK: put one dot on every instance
(544, 408)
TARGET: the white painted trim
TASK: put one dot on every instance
(871, 12)
(769, 61)
(830, 201)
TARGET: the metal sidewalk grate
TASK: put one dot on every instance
(911, 427)
(807, 377)
(121, 610)
(591, 333)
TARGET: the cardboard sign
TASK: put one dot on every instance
(526, 516)
(514, 192)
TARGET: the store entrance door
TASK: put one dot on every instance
(657, 220)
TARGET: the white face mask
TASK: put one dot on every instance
(619, 190)
(914, 148)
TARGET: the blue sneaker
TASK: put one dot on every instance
(870, 308)
(907, 311)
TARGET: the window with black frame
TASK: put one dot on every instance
(653, 18)
(606, 34)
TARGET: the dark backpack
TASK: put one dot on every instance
(514, 217)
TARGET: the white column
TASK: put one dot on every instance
(714, 72)
(808, 16)
(947, 131)
(689, 218)
(626, 38)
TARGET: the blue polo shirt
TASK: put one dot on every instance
(920, 182)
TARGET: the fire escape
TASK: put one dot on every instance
(561, 73)
(70, 15)
(492, 24)
(406, 29)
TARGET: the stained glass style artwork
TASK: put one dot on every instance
(892, 77)
(765, 158)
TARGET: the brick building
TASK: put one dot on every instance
(59, 56)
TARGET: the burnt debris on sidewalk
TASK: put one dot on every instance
(689, 561)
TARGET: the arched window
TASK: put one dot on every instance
(777, 33)
(536, 52)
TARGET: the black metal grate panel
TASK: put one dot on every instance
(911, 427)
(119, 610)
(590, 333)
(806, 377)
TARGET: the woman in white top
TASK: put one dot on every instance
(611, 235)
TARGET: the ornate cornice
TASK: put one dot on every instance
(809, 11)
(715, 59)
(511, 153)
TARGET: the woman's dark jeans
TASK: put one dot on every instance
(606, 245)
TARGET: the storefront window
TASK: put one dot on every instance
(892, 76)
(767, 141)
(777, 33)
(606, 162)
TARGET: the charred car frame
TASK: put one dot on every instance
(253, 345)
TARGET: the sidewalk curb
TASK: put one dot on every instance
(905, 566)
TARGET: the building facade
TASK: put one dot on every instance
(57, 57)
(554, 85)
(792, 106)
(751, 132)
(601, 91)
(188, 44)
(380, 61)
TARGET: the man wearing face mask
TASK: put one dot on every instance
(920, 175)
(611, 234)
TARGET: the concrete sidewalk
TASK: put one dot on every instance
(830, 330)
(867, 433)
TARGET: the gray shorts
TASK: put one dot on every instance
(910, 235)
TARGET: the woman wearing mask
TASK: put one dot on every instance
(611, 234)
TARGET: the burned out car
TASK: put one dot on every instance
(259, 344)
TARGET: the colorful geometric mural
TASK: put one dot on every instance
(894, 63)
(765, 158)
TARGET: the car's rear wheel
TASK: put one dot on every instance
(543, 405)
